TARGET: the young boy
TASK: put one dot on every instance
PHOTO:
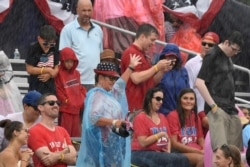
(70, 92)
(42, 61)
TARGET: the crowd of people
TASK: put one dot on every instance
(92, 94)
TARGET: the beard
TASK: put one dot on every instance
(84, 20)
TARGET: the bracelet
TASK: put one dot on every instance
(62, 157)
(114, 122)
(213, 107)
(156, 68)
(131, 68)
(156, 137)
(42, 70)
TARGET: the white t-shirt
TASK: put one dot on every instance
(19, 117)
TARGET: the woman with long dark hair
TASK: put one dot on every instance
(186, 128)
(151, 143)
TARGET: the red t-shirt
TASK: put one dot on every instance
(41, 136)
(189, 134)
(135, 93)
(144, 126)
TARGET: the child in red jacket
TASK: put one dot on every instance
(70, 92)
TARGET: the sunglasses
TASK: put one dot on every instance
(50, 44)
(209, 44)
(157, 98)
(51, 102)
(111, 78)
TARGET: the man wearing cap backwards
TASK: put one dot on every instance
(85, 38)
(144, 76)
(105, 109)
(42, 61)
(30, 115)
(193, 67)
(215, 83)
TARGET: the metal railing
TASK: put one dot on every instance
(133, 34)
(243, 69)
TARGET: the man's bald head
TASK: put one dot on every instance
(84, 10)
(84, 2)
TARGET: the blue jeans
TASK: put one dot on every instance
(158, 159)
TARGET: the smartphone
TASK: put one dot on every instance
(172, 63)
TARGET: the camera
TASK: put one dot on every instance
(122, 131)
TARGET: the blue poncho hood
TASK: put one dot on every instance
(171, 49)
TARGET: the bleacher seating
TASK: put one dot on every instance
(20, 74)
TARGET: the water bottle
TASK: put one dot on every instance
(16, 54)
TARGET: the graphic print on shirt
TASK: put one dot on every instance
(163, 141)
(46, 60)
(188, 135)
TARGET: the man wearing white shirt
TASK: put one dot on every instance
(30, 115)
(193, 67)
(86, 39)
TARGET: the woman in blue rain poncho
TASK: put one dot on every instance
(105, 109)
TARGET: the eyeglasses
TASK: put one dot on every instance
(111, 78)
(208, 44)
(50, 44)
(157, 98)
(235, 50)
(51, 103)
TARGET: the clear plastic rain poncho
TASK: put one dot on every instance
(10, 96)
(100, 147)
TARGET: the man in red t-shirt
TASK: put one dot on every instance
(51, 144)
(144, 76)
